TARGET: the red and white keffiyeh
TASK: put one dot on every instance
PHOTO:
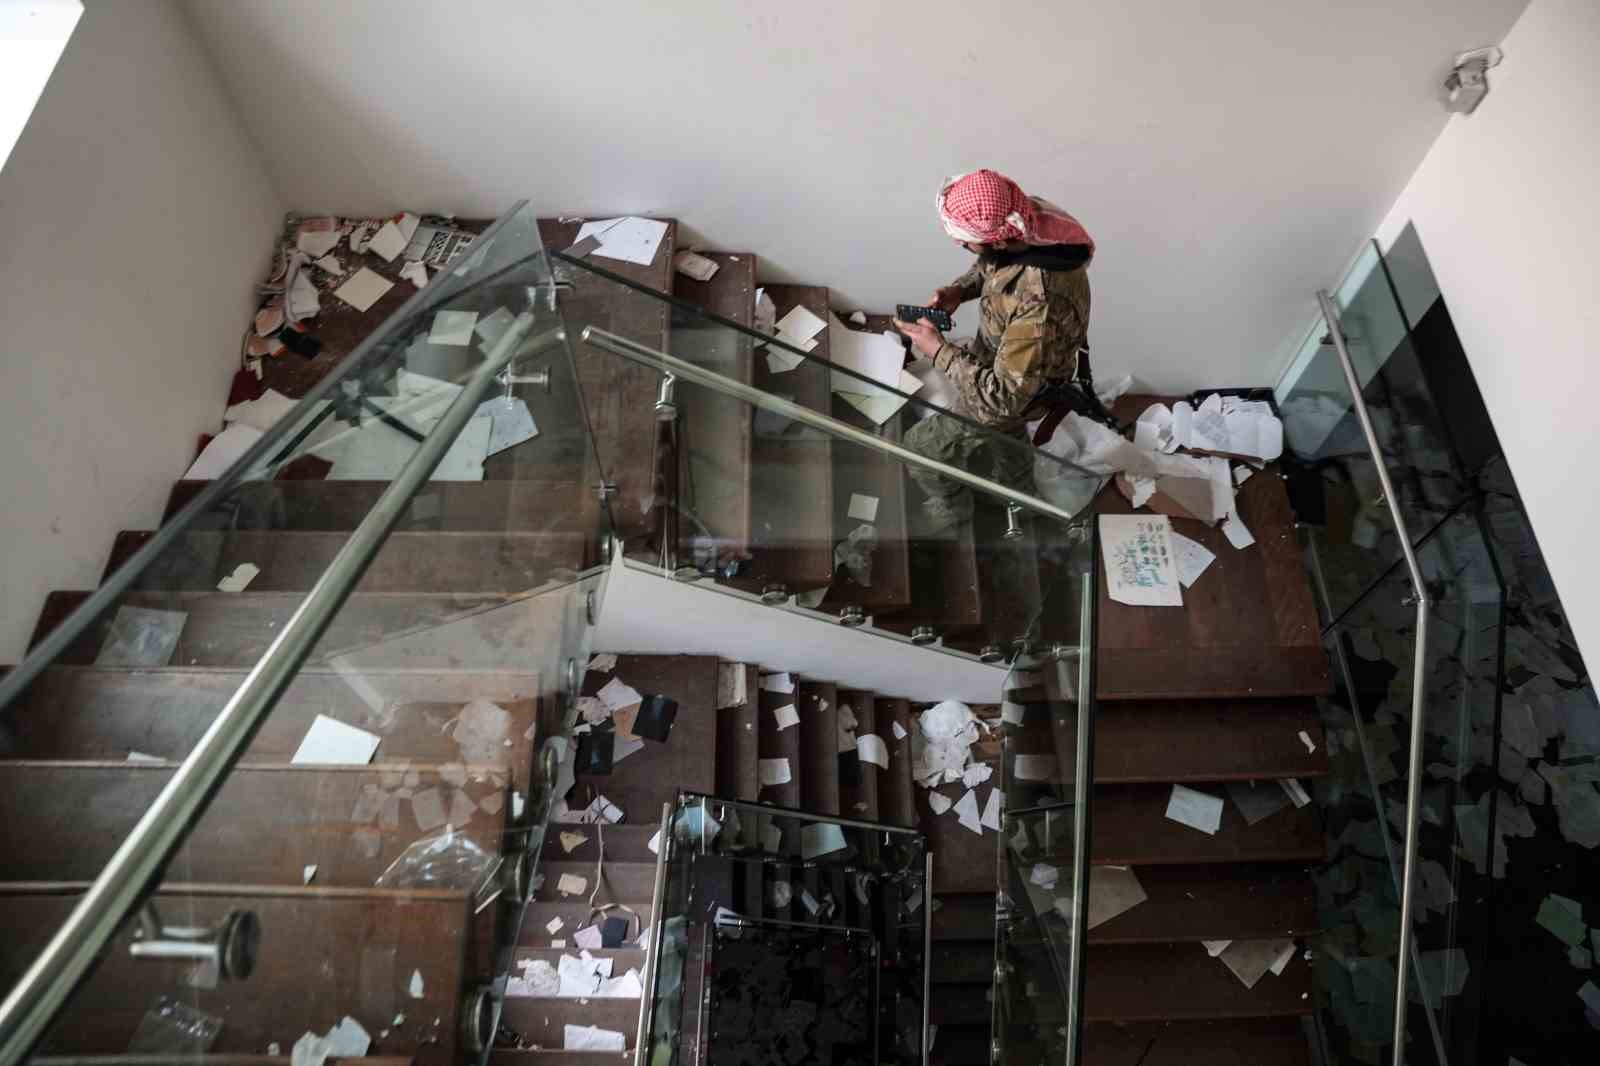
(985, 207)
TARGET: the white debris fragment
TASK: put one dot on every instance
(307, 873)
(571, 840)
(415, 988)
(572, 885)
(553, 926)
(1044, 875)
(239, 579)
(967, 811)
(938, 802)
(602, 662)
(1305, 738)
(991, 809)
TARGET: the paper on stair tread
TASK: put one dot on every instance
(799, 326)
(1191, 558)
(1257, 800)
(1140, 569)
(510, 423)
(1215, 947)
(863, 507)
(1250, 959)
(967, 811)
(976, 774)
(786, 715)
(871, 748)
(261, 413)
(1233, 528)
(553, 926)
(899, 730)
(992, 808)
(1113, 890)
(591, 1038)
(330, 742)
(938, 802)
(820, 838)
(732, 684)
(222, 451)
(1284, 957)
(588, 937)
(780, 683)
(363, 289)
(1197, 810)
(1295, 791)
(616, 694)
(572, 885)
(1305, 738)
(631, 239)
(774, 771)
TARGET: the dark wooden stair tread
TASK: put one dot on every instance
(1248, 626)
(1131, 829)
(778, 743)
(1221, 902)
(1237, 1042)
(1191, 740)
(626, 842)
(433, 561)
(737, 740)
(1158, 982)
(292, 989)
(897, 794)
(543, 1020)
(64, 820)
(622, 882)
(945, 588)
(575, 913)
(818, 705)
(862, 471)
(859, 779)
(645, 780)
(90, 712)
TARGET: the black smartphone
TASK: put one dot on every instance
(912, 313)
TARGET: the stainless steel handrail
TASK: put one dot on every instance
(1082, 796)
(1330, 315)
(686, 371)
(33, 1001)
(652, 957)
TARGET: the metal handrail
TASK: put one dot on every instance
(33, 1001)
(699, 375)
(1082, 796)
(652, 958)
(1418, 675)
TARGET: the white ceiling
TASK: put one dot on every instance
(1229, 157)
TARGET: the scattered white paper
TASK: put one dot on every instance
(388, 242)
(628, 986)
(774, 771)
(591, 1038)
(780, 683)
(1251, 959)
(1305, 738)
(347, 1040)
(572, 885)
(140, 758)
(307, 873)
(1296, 792)
(938, 802)
(330, 742)
(820, 838)
(1191, 557)
(1284, 957)
(1215, 947)
(570, 841)
(553, 926)
(415, 273)
(786, 716)
(967, 811)
(416, 986)
(1140, 569)
(332, 265)
(510, 423)
(363, 289)
(863, 508)
(976, 774)
(631, 239)
(1035, 767)
(221, 452)
(317, 236)
(654, 843)
(453, 328)
(1241, 474)
(1234, 529)
(588, 937)
(899, 730)
(991, 809)
(240, 579)
(799, 326)
(1197, 810)
(872, 749)
(694, 265)
(1112, 891)
(261, 413)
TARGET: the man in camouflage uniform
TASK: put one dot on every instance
(1031, 281)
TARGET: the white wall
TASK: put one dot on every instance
(1507, 206)
(135, 218)
(1226, 155)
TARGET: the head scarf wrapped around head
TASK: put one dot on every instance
(985, 207)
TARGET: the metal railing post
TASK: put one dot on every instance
(1330, 315)
(652, 954)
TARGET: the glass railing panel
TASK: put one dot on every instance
(360, 873)
(1471, 803)
(1045, 876)
(788, 934)
(1353, 536)
(759, 502)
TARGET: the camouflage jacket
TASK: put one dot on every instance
(1032, 324)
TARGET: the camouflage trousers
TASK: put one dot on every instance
(1006, 457)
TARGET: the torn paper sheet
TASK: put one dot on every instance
(863, 508)
(363, 289)
(899, 730)
(1113, 890)
(774, 771)
(588, 937)
(1250, 959)
(239, 579)
(415, 988)
(938, 802)
(388, 242)
(627, 986)
(1140, 568)
(871, 748)
(780, 683)
(1305, 738)
(308, 873)
(967, 811)
(694, 265)
(846, 728)
(798, 327)
(221, 452)
(1215, 947)
(453, 328)
(1197, 810)
(261, 413)
(570, 841)
(1191, 558)
(1228, 426)
(317, 236)
(331, 742)
(616, 695)
(554, 925)
(631, 239)
(732, 684)
(1295, 791)
(786, 716)
(1153, 431)
(991, 809)
(1234, 529)
(820, 838)
(572, 885)
(415, 273)
(976, 774)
